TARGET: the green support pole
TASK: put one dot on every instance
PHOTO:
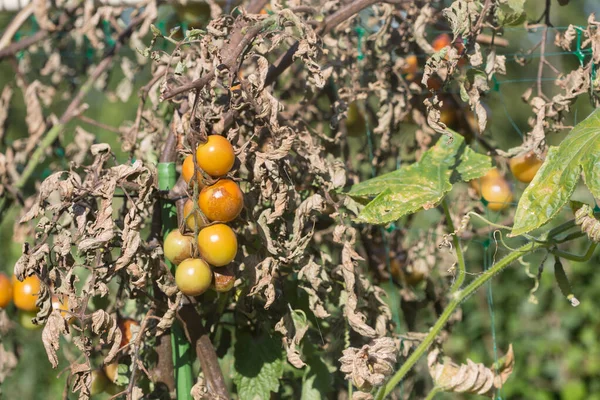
(182, 360)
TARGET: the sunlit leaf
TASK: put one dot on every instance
(422, 184)
(554, 183)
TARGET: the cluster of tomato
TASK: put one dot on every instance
(24, 295)
(494, 188)
(216, 243)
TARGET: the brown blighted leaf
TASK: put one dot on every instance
(166, 321)
(471, 377)
(318, 279)
(104, 324)
(8, 361)
(434, 114)
(56, 326)
(426, 16)
(31, 260)
(199, 390)
(35, 94)
(5, 98)
(371, 364)
(495, 64)
(462, 16)
(356, 319)
(82, 379)
(565, 39)
(264, 276)
(79, 148)
(470, 91)
(358, 395)
(130, 239)
(293, 327)
(101, 231)
(48, 186)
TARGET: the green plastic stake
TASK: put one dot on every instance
(182, 360)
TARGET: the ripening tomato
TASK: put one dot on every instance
(441, 41)
(178, 247)
(25, 293)
(193, 276)
(61, 303)
(187, 172)
(26, 319)
(194, 13)
(6, 290)
(217, 244)
(356, 123)
(127, 334)
(492, 174)
(410, 67)
(224, 279)
(525, 166)
(193, 219)
(112, 371)
(216, 157)
(222, 201)
(99, 382)
(496, 191)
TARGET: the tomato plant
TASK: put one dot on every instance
(326, 168)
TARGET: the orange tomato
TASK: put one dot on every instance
(216, 157)
(441, 41)
(125, 325)
(217, 244)
(222, 201)
(525, 166)
(411, 67)
(25, 293)
(187, 172)
(193, 276)
(224, 279)
(6, 290)
(192, 218)
(494, 189)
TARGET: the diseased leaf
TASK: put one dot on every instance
(258, 366)
(422, 184)
(554, 183)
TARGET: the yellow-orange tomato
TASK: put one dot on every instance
(492, 174)
(411, 67)
(193, 276)
(217, 244)
(222, 201)
(25, 293)
(224, 279)
(178, 247)
(192, 218)
(216, 157)
(61, 303)
(356, 124)
(6, 290)
(187, 172)
(125, 325)
(497, 193)
(99, 382)
(112, 371)
(525, 166)
(441, 41)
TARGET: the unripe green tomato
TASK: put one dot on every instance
(193, 276)
(26, 320)
(217, 244)
(356, 124)
(178, 247)
(195, 13)
(99, 382)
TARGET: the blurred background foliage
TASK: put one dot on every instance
(557, 346)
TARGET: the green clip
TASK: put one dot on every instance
(391, 227)
(596, 209)
(486, 244)
(496, 87)
(106, 28)
(361, 33)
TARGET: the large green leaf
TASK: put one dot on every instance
(258, 366)
(554, 183)
(511, 12)
(422, 184)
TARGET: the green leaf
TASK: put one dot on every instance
(258, 366)
(511, 12)
(554, 183)
(422, 184)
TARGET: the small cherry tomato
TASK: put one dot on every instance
(193, 276)
(99, 382)
(127, 334)
(441, 41)
(222, 201)
(187, 172)
(178, 247)
(217, 244)
(193, 219)
(6, 290)
(411, 67)
(26, 319)
(525, 166)
(497, 193)
(356, 123)
(216, 157)
(25, 293)
(61, 303)
(224, 279)
(112, 371)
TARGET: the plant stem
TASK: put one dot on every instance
(460, 278)
(433, 392)
(459, 297)
(575, 257)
